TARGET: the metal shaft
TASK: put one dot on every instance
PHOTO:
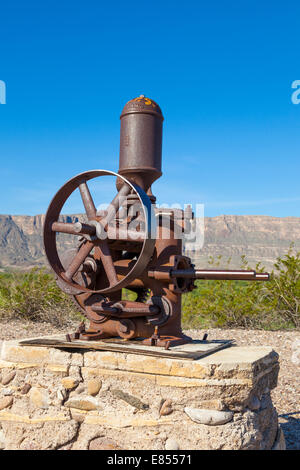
(220, 274)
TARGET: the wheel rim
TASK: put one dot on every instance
(52, 216)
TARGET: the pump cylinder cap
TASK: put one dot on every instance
(142, 104)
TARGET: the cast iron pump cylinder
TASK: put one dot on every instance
(141, 142)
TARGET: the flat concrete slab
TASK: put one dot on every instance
(194, 350)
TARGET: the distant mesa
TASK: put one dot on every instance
(260, 238)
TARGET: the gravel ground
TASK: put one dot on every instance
(286, 397)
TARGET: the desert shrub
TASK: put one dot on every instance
(225, 303)
(34, 295)
(269, 305)
(283, 291)
(275, 304)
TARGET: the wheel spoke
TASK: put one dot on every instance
(107, 261)
(87, 200)
(83, 252)
(74, 229)
(115, 204)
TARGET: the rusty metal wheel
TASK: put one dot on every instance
(95, 250)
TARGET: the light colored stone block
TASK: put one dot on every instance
(69, 383)
(83, 403)
(209, 417)
(171, 444)
(39, 397)
(12, 417)
(93, 386)
(12, 352)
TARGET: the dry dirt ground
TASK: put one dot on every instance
(286, 397)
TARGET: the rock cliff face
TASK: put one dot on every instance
(260, 238)
(21, 240)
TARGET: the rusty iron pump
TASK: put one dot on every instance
(132, 244)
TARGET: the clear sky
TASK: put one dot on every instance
(221, 71)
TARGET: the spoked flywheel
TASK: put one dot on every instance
(127, 225)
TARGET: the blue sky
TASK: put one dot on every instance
(221, 72)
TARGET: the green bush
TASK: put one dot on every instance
(270, 305)
(274, 304)
(224, 303)
(283, 291)
(34, 295)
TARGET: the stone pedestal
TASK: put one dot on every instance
(55, 399)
